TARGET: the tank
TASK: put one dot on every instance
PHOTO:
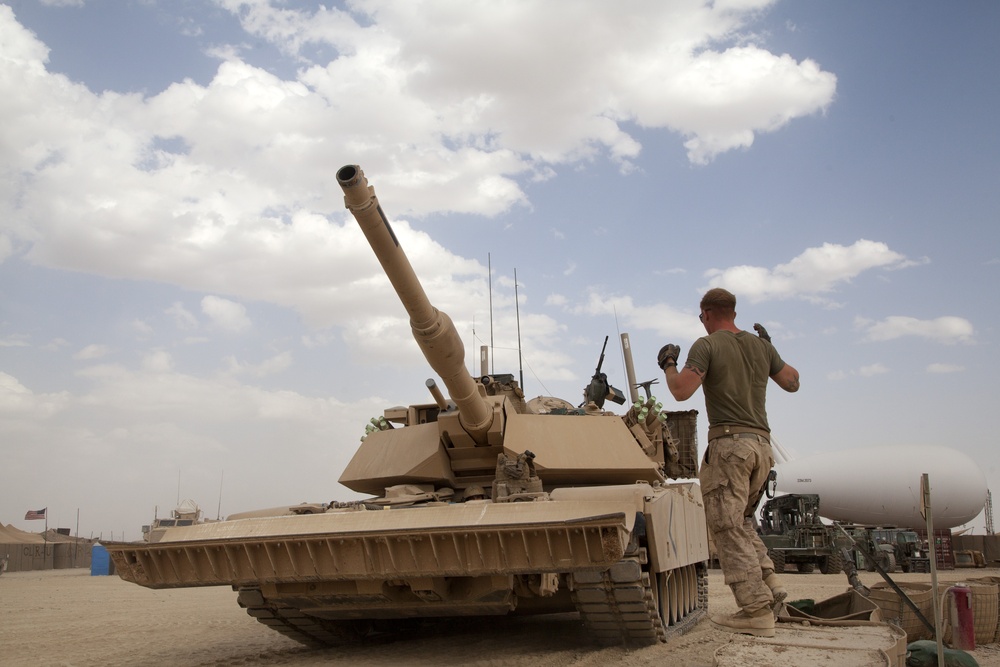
(481, 504)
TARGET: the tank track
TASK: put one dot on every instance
(628, 604)
(625, 604)
(297, 625)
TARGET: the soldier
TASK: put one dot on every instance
(733, 367)
(474, 492)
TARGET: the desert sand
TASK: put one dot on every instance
(67, 617)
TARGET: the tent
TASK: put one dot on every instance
(36, 551)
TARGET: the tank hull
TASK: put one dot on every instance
(461, 540)
(594, 550)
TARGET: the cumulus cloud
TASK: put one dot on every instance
(657, 66)
(182, 317)
(873, 369)
(92, 352)
(869, 370)
(55, 344)
(6, 247)
(556, 300)
(815, 272)
(141, 328)
(181, 186)
(157, 361)
(948, 329)
(18, 400)
(275, 364)
(225, 314)
(944, 368)
(14, 341)
(158, 419)
(661, 318)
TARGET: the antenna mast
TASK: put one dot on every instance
(489, 268)
(218, 512)
(517, 312)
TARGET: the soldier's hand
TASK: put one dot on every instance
(669, 352)
(761, 331)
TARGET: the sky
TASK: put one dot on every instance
(187, 310)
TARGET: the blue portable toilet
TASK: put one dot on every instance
(100, 561)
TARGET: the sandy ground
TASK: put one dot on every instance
(67, 617)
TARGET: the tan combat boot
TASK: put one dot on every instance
(778, 591)
(761, 625)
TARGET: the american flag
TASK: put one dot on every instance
(35, 514)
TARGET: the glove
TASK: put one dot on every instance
(668, 352)
(761, 331)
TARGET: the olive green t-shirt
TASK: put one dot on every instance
(737, 367)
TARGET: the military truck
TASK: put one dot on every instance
(893, 548)
(793, 533)
(481, 504)
(187, 513)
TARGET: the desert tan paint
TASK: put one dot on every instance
(604, 532)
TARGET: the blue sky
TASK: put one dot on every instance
(186, 306)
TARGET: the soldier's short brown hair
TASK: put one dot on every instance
(719, 299)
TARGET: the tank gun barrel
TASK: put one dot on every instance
(433, 330)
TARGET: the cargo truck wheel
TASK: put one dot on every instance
(889, 563)
(806, 567)
(832, 564)
(778, 558)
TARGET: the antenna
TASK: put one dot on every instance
(178, 488)
(489, 268)
(517, 312)
(218, 512)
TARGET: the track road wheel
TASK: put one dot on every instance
(299, 626)
(681, 598)
(628, 604)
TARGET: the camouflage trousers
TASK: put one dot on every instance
(733, 476)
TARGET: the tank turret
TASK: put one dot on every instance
(486, 423)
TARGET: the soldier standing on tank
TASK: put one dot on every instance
(733, 367)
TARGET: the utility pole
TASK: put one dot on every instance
(989, 512)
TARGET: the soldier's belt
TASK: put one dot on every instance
(723, 430)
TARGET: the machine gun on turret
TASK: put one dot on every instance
(599, 389)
